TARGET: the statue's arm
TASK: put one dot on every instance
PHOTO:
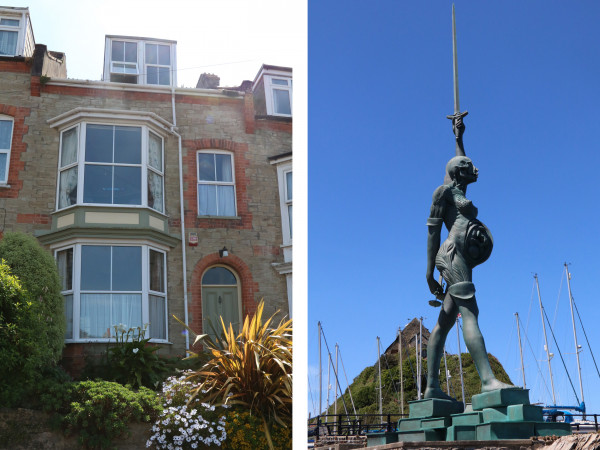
(434, 230)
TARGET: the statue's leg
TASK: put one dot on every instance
(476, 345)
(435, 348)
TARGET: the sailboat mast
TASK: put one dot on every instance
(537, 283)
(379, 365)
(401, 374)
(336, 372)
(462, 381)
(320, 373)
(577, 347)
(418, 367)
(521, 350)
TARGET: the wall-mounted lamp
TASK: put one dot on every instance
(223, 252)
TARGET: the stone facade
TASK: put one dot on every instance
(188, 120)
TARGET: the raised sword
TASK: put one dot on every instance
(457, 117)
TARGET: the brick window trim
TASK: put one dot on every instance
(18, 147)
(190, 177)
(247, 285)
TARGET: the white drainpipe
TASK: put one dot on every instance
(182, 216)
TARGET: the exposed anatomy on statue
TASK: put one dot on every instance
(469, 243)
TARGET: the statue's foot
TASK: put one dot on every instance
(495, 384)
(437, 393)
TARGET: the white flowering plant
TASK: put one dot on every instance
(132, 360)
(186, 422)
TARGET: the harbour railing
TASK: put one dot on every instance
(360, 424)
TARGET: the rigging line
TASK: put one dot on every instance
(334, 371)
(512, 331)
(586, 338)
(530, 305)
(347, 384)
(311, 396)
(562, 279)
(536, 362)
(561, 356)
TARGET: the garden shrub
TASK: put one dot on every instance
(17, 335)
(251, 369)
(34, 326)
(245, 432)
(100, 411)
(186, 422)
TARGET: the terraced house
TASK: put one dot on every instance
(156, 200)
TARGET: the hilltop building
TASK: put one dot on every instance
(156, 200)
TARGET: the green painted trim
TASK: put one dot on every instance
(112, 232)
(81, 229)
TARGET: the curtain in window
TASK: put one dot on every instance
(69, 316)
(155, 152)
(207, 205)
(155, 191)
(101, 312)
(226, 198)
(157, 327)
(68, 153)
(67, 194)
(8, 42)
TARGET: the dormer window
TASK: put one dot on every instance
(273, 91)
(139, 61)
(16, 34)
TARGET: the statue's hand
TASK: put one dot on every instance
(458, 127)
(435, 288)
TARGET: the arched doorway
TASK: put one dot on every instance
(220, 298)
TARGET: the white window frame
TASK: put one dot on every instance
(7, 151)
(81, 163)
(17, 29)
(270, 86)
(76, 291)
(217, 183)
(141, 76)
(282, 170)
(134, 64)
(157, 64)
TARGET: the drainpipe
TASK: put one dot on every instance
(182, 219)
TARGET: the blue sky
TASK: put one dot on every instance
(380, 87)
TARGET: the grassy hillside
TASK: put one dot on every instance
(364, 388)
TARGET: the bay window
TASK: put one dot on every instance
(111, 165)
(216, 184)
(108, 285)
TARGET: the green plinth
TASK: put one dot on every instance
(527, 413)
(495, 414)
(433, 407)
(374, 439)
(422, 435)
(436, 422)
(500, 397)
(467, 418)
(461, 433)
(504, 430)
(552, 429)
(409, 424)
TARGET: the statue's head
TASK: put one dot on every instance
(462, 170)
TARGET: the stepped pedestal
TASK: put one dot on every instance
(495, 415)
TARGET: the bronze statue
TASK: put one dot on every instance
(469, 243)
